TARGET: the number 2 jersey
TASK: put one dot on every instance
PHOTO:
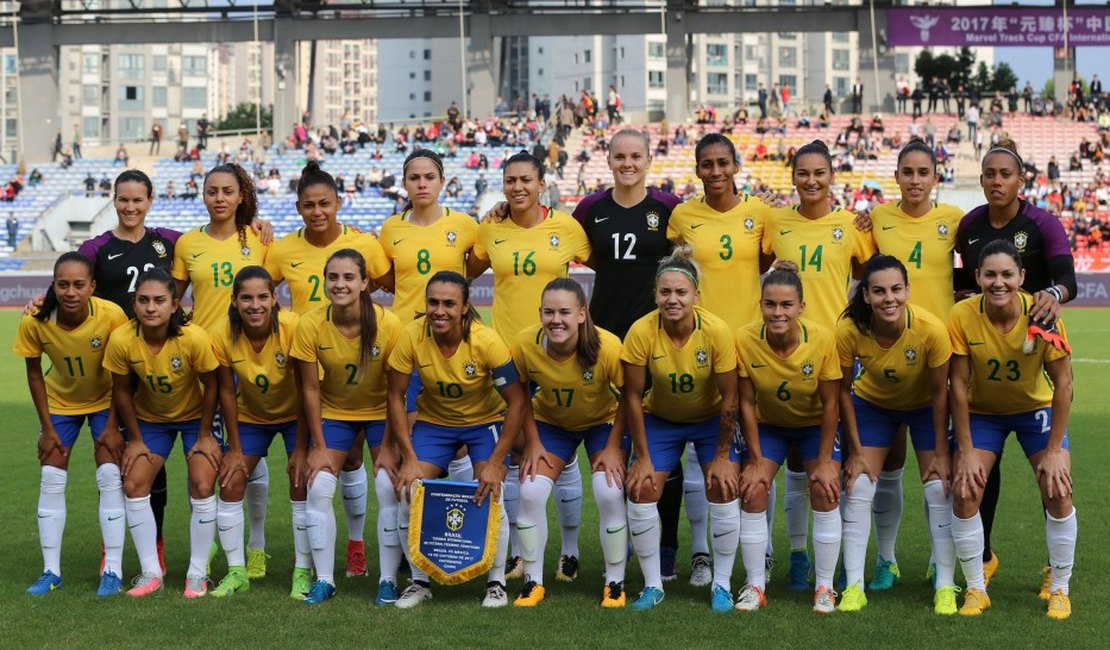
(117, 262)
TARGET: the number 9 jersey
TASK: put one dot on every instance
(267, 388)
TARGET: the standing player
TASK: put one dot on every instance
(475, 380)
(71, 328)
(690, 357)
(299, 259)
(1003, 379)
(258, 395)
(575, 368)
(1049, 272)
(177, 393)
(527, 249)
(902, 380)
(823, 243)
(350, 340)
(788, 399)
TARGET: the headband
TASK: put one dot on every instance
(1021, 165)
(676, 269)
(438, 164)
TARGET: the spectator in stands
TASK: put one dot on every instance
(191, 190)
(155, 139)
(1074, 164)
(171, 191)
(1097, 153)
(1027, 95)
(823, 120)
(972, 122)
(35, 178)
(360, 184)
(13, 229)
(388, 184)
(876, 125)
(803, 120)
(828, 99)
(480, 185)
(953, 135)
(57, 149)
(917, 96)
(13, 188)
(105, 185)
(90, 185)
(740, 116)
(454, 187)
(121, 156)
(202, 132)
(374, 177)
(857, 96)
(930, 132)
(1053, 170)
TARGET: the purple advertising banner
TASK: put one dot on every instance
(997, 26)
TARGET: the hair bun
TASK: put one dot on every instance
(787, 266)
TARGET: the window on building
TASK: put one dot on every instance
(901, 63)
(657, 51)
(427, 95)
(622, 51)
(158, 97)
(90, 128)
(788, 36)
(91, 95)
(427, 75)
(716, 55)
(194, 97)
(588, 84)
(412, 97)
(841, 60)
(587, 56)
(576, 58)
(10, 126)
(159, 62)
(194, 66)
(656, 79)
(427, 55)
(90, 63)
(716, 83)
(840, 86)
(131, 66)
(412, 75)
(788, 57)
(130, 128)
(539, 72)
(750, 53)
(789, 80)
(539, 50)
(841, 37)
(130, 98)
(751, 82)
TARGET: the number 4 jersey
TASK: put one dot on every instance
(117, 262)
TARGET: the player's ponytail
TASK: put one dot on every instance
(470, 315)
(368, 317)
(1007, 147)
(178, 319)
(253, 272)
(247, 209)
(858, 311)
(784, 273)
(681, 260)
(817, 147)
(50, 300)
(589, 341)
(313, 175)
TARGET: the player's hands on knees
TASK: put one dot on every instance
(408, 472)
(534, 455)
(825, 477)
(611, 461)
(854, 466)
(498, 212)
(297, 467)
(725, 474)
(208, 447)
(319, 460)
(49, 443)
(970, 476)
(754, 480)
(389, 460)
(940, 467)
(1054, 473)
(489, 481)
(233, 463)
(111, 440)
(642, 471)
(132, 452)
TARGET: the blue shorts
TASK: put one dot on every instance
(414, 389)
(989, 432)
(878, 426)
(340, 434)
(255, 438)
(437, 444)
(218, 430)
(775, 442)
(564, 444)
(666, 441)
(160, 436)
(69, 426)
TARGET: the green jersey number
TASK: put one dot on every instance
(527, 267)
(222, 275)
(423, 261)
(76, 366)
(563, 396)
(782, 393)
(726, 247)
(915, 255)
(263, 383)
(683, 383)
(1013, 371)
(452, 390)
(353, 370)
(813, 260)
(314, 295)
(160, 383)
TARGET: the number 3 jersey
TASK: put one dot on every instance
(267, 387)
(117, 262)
(210, 265)
(418, 252)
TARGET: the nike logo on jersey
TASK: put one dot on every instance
(658, 357)
(112, 257)
(234, 361)
(971, 242)
(398, 241)
(889, 227)
(354, 498)
(425, 365)
(975, 342)
(785, 232)
(695, 226)
(500, 241)
(44, 516)
(196, 255)
(295, 264)
(759, 365)
(600, 219)
(325, 347)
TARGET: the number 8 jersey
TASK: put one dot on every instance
(418, 252)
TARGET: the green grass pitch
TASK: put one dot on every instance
(570, 617)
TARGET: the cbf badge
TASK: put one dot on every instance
(451, 538)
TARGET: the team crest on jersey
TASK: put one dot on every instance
(554, 240)
(1021, 240)
(246, 251)
(279, 358)
(942, 230)
(701, 356)
(159, 248)
(588, 375)
(911, 354)
(96, 342)
(837, 234)
(175, 362)
(749, 224)
(807, 370)
(469, 369)
(653, 220)
(375, 351)
(452, 237)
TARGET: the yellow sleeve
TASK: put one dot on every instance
(830, 365)
(393, 324)
(468, 234)
(377, 264)
(865, 246)
(940, 347)
(582, 250)
(272, 264)
(386, 234)
(636, 348)
(674, 230)
(519, 360)
(766, 243)
(846, 342)
(724, 350)
(401, 359)
(956, 335)
(219, 348)
(741, 357)
(117, 316)
(480, 243)
(494, 350)
(27, 342)
(304, 342)
(115, 356)
(204, 360)
(180, 270)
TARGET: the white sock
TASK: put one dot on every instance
(568, 503)
(925, 506)
(796, 506)
(229, 518)
(461, 470)
(52, 517)
(612, 527)
(202, 532)
(967, 538)
(855, 511)
(256, 497)
(320, 521)
(531, 525)
(697, 506)
(497, 571)
(144, 535)
(1061, 534)
(772, 497)
(302, 550)
(939, 509)
(510, 503)
(888, 512)
(403, 509)
(826, 545)
(724, 520)
(643, 524)
(353, 489)
(389, 544)
(112, 511)
(753, 543)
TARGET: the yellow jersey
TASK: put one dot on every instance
(823, 249)
(301, 264)
(169, 382)
(897, 377)
(926, 245)
(77, 383)
(210, 266)
(787, 390)
(567, 395)
(1004, 380)
(345, 392)
(524, 260)
(683, 379)
(267, 386)
(418, 252)
(459, 391)
(726, 247)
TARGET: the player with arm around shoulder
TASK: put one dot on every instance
(574, 371)
(1005, 379)
(72, 329)
(903, 353)
(691, 359)
(789, 378)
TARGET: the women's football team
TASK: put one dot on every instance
(731, 369)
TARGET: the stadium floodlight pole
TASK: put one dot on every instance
(462, 63)
(18, 90)
(874, 54)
